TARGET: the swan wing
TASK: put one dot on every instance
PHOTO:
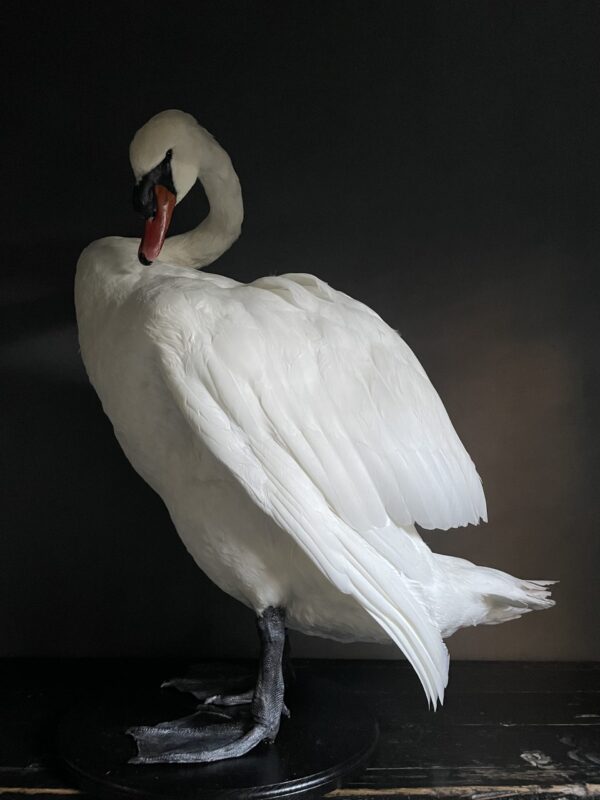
(327, 419)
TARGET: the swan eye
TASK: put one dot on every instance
(144, 200)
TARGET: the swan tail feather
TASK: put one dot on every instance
(484, 596)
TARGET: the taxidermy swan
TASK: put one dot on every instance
(293, 436)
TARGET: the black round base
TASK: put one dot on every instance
(329, 735)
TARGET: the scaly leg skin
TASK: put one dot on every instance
(187, 741)
(243, 698)
(234, 690)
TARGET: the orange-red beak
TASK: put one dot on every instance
(157, 226)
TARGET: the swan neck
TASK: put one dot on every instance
(219, 230)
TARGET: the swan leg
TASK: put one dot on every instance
(243, 698)
(188, 740)
(233, 690)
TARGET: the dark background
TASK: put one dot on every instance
(439, 161)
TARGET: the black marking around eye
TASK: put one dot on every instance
(144, 201)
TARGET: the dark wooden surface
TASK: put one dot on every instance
(506, 729)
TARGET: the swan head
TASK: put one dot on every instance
(165, 158)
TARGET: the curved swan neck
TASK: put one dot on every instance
(219, 230)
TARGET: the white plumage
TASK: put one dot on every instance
(293, 435)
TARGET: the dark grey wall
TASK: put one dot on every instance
(437, 160)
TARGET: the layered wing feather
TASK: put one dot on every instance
(328, 420)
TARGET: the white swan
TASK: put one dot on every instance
(294, 436)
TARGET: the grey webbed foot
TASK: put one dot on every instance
(243, 698)
(195, 742)
(193, 739)
(202, 683)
